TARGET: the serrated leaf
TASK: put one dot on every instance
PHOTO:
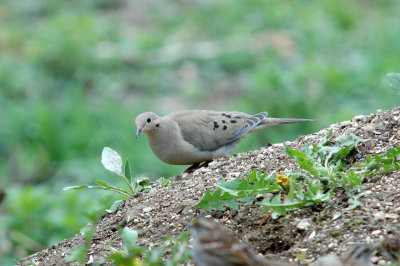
(129, 237)
(306, 162)
(205, 201)
(292, 153)
(231, 203)
(233, 186)
(216, 200)
(111, 161)
(248, 200)
(394, 81)
(253, 176)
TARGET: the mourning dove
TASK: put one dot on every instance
(195, 136)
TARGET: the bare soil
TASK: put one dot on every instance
(327, 227)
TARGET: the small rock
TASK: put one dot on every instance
(312, 235)
(204, 170)
(303, 224)
(392, 216)
(345, 124)
(213, 163)
(376, 232)
(359, 118)
(379, 215)
(336, 215)
(382, 138)
(368, 127)
(374, 259)
(147, 209)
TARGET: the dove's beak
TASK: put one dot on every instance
(138, 132)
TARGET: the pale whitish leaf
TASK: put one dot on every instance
(112, 161)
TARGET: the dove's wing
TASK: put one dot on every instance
(211, 130)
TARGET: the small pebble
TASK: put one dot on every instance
(147, 209)
(382, 138)
(303, 224)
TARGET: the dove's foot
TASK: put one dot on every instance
(196, 166)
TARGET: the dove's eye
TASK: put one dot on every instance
(148, 120)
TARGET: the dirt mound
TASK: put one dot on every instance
(331, 227)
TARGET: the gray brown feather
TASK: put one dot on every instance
(210, 130)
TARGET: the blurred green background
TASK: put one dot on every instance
(74, 75)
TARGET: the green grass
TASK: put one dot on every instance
(74, 74)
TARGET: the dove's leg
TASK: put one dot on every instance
(196, 166)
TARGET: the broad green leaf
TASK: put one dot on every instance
(115, 206)
(103, 183)
(326, 139)
(77, 254)
(112, 161)
(143, 181)
(394, 81)
(129, 237)
(76, 187)
(127, 171)
(114, 250)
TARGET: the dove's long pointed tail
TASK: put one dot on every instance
(270, 122)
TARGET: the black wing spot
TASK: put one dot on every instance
(216, 125)
(223, 121)
(237, 117)
(224, 128)
(233, 121)
(228, 116)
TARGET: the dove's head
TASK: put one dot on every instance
(147, 123)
